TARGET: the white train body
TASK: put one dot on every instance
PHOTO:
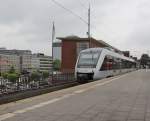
(97, 63)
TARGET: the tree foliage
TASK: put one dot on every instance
(12, 70)
(45, 74)
(56, 65)
(4, 75)
(35, 76)
(12, 77)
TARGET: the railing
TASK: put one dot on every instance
(24, 83)
(62, 78)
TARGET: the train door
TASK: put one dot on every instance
(115, 66)
(106, 68)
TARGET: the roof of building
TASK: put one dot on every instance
(38, 55)
(76, 38)
(57, 44)
(14, 51)
(73, 38)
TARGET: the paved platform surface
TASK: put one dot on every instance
(121, 98)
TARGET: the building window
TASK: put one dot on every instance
(82, 46)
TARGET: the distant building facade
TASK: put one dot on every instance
(57, 49)
(22, 58)
(7, 61)
(25, 59)
(41, 62)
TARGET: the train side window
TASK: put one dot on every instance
(107, 63)
(110, 62)
(115, 64)
(104, 67)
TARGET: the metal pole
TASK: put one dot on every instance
(89, 26)
(53, 37)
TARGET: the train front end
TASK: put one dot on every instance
(86, 65)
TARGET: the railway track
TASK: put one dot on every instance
(18, 95)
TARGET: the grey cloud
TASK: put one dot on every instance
(123, 24)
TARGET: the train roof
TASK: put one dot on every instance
(110, 51)
(92, 49)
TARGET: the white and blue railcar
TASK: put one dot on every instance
(97, 63)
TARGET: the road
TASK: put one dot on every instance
(121, 98)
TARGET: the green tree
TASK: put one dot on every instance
(12, 70)
(4, 75)
(56, 65)
(45, 74)
(12, 77)
(35, 76)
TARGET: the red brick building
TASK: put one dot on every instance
(72, 45)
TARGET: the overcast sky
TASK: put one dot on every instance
(27, 24)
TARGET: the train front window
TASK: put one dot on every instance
(88, 60)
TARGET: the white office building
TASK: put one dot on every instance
(41, 62)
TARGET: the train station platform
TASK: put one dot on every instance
(121, 98)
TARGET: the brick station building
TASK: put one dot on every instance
(70, 48)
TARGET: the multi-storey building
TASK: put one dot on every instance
(8, 61)
(41, 62)
(21, 57)
(25, 60)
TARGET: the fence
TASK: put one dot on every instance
(62, 78)
(24, 83)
